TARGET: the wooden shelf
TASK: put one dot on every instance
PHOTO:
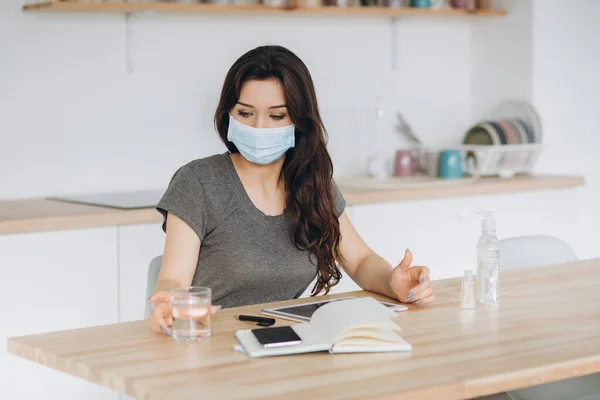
(89, 6)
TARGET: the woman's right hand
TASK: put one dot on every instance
(161, 318)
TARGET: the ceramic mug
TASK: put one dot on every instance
(429, 163)
(461, 3)
(450, 165)
(405, 163)
(379, 166)
(420, 3)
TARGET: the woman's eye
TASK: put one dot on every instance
(244, 114)
(277, 117)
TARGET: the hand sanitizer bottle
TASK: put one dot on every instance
(488, 261)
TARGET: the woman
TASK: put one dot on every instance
(258, 223)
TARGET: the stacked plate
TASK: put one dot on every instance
(506, 143)
(514, 122)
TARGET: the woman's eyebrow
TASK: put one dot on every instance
(270, 108)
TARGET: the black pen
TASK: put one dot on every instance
(261, 321)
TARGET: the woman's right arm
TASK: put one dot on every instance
(180, 257)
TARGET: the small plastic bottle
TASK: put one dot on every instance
(467, 291)
(488, 261)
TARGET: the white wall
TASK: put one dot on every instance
(73, 121)
(566, 92)
(501, 61)
(547, 52)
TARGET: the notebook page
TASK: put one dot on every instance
(334, 318)
(375, 331)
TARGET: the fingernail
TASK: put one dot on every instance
(165, 331)
(422, 280)
(407, 250)
(410, 296)
(418, 301)
(218, 307)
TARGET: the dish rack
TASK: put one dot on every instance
(503, 160)
(520, 148)
(506, 142)
(485, 160)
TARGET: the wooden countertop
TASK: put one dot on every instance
(533, 336)
(35, 215)
(436, 189)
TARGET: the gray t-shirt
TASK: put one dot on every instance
(246, 257)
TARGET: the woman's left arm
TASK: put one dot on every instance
(370, 271)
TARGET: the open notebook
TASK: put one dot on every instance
(350, 326)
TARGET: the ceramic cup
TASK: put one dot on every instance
(420, 3)
(450, 165)
(461, 3)
(405, 163)
(429, 163)
(379, 166)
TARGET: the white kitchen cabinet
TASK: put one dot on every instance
(54, 281)
(138, 245)
(440, 239)
(346, 284)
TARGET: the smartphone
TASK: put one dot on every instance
(276, 337)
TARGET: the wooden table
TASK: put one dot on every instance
(546, 328)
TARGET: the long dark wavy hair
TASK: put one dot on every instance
(307, 170)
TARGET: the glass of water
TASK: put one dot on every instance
(191, 313)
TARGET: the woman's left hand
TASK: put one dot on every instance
(411, 284)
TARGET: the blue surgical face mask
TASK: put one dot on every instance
(260, 145)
